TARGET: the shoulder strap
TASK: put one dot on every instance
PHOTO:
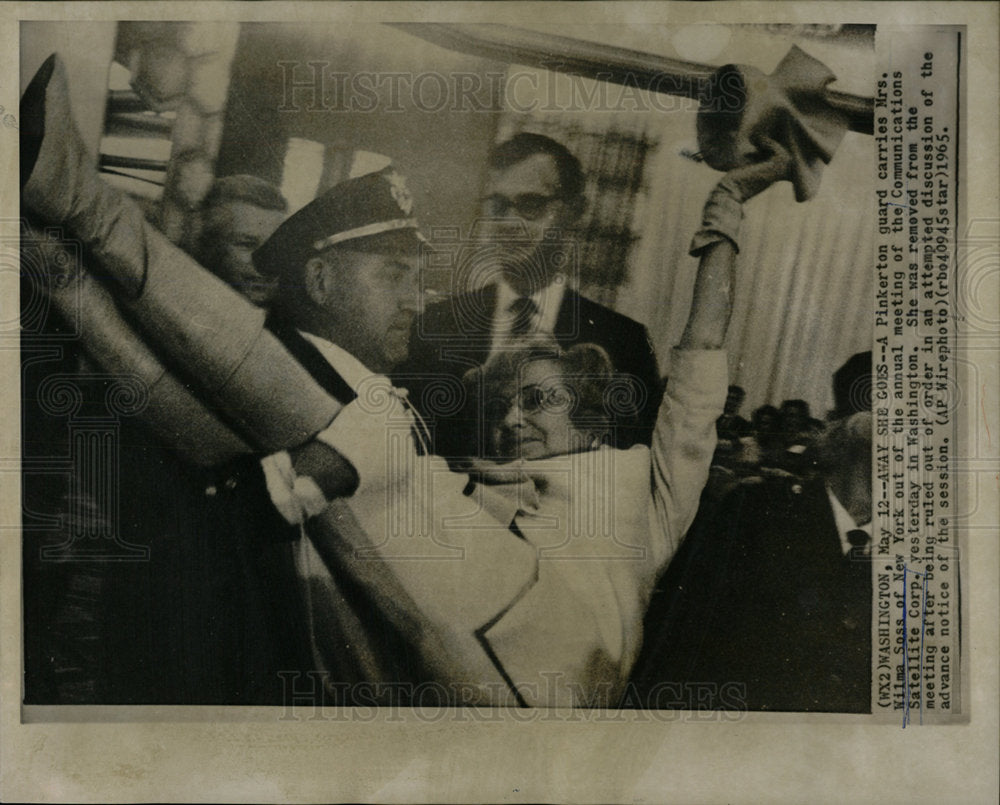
(311, 359)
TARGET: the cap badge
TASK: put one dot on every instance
(400, 192)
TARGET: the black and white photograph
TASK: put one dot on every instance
(472, 369)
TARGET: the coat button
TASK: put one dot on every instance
(211, 491)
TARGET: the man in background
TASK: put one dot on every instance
(731, 428)
(239, 213)
(524, 256)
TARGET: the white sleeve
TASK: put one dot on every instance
(296, 497)
(684, 440)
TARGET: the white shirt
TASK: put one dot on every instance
(348, 367)
(294, 496)
(547, 301)
(846, 523)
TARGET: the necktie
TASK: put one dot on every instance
(522, 311)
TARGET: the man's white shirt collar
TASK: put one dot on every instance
(845, 522)
(348, 367)
(356, 374)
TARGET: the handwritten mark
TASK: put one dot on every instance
(9, 121)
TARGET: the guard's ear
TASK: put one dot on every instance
(316, 279)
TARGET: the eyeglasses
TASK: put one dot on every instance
(529, 206)
(533, 398)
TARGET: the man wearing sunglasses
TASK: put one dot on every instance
(522, 254)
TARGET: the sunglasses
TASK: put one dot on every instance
(529, 206)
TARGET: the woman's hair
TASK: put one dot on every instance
(765, 419)
(601, 399)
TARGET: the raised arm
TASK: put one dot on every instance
(684, 439)
(717, 243)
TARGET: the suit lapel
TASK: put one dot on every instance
(816, 544)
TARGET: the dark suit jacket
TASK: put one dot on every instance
(761, 596)
(454, 336)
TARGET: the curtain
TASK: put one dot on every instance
(804, 272)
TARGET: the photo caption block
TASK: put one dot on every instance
(916, 627)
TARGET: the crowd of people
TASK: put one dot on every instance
(775, 441)
(400, 496)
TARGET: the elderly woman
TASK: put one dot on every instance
(540, 401)
(550, 416)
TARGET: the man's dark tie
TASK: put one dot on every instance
(522, 311)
